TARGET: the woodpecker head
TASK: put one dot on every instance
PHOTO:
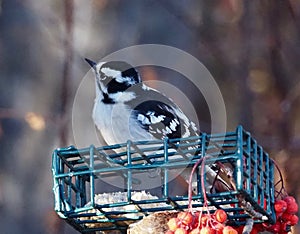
(114, 76)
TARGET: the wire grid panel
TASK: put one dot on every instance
(78, 173)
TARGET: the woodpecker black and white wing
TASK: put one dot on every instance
(159, 116)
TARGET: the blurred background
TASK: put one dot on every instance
(252, 49)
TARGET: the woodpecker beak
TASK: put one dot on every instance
(92, 64)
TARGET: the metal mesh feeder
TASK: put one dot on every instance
(81, 197)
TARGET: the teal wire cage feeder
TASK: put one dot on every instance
(76, 173)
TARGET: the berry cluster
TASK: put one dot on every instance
(286, 217)
(199, 223)
(190, 222)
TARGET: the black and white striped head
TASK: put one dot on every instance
(114, 76)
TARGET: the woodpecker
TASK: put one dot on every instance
(127, 109)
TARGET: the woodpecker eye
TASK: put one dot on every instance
(103, 76)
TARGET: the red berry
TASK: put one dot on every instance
(289, 199)
(292, 208)
(185, 217)
(286, 217)
(181, 231)
(280, 206)
(229, 230)
(220, 215)
(204, 220)
(292, 219)
(207, 230)
(173, 224)
(218, 227)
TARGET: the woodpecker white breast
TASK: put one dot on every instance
(125, 108)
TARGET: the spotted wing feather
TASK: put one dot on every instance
(158, 118)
